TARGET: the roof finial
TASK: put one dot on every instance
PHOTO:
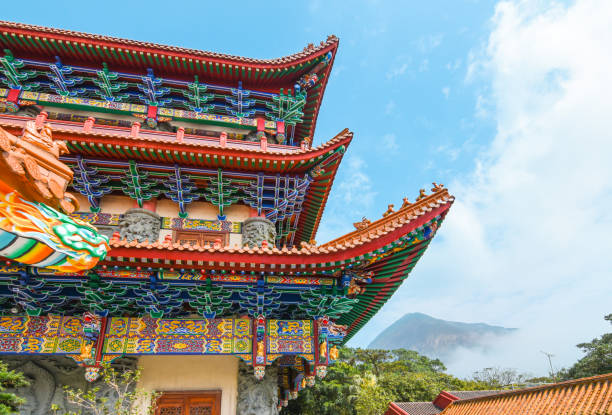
(437, 187)
(389, 210)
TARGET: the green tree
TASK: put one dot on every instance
(9, 379)
(128, 400)
(598, 358)
(500, 378)
(373, 359)
(365, 381)
(336, 394)
(372, 398)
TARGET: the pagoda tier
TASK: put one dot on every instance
(288, 185)
(347, 279)
(72, 70)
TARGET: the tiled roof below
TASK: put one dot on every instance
(586, 396)
(419, 408)
(472, 394)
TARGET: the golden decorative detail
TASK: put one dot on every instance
(260, 349)
(364, 223)
(422, 195)
(382, 225)
(31, 165)
(406, 203)
(323, 350)
(86, 350)
(389, 211)
(307, 142)
(437, 187)
(333, 353)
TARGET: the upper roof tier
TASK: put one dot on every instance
(62, 67)
(307, 173)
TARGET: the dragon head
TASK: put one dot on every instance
(79, 241)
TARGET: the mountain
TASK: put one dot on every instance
(436, 338)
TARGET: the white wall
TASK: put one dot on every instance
(192, 373)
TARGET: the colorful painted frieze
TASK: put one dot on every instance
(271, 279)
(41, 335)
(141, 336)
(187, 224)
(175, 224)
(290, 337)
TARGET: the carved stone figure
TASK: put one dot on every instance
(48, 375)
(257, 397)
(255, 230)
(140, 225)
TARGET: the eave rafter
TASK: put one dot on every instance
(268, 75)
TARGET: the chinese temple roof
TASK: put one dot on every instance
(386, 249)
(586, 396)
(74, 50)
(114, 147)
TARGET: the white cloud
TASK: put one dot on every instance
(450, 151)
(356, 189)
(454, 65)
(390, 107)
(397, 71)
(527, 243)
(351, 195)
(446, 91)
(426, 44)
(389, 142)
(424, 66)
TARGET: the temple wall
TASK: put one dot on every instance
(117, 204)
(201, 210)
(83, 202)
(192, 373)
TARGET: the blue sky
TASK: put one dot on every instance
(504, 102)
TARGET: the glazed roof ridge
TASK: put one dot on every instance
(440, 196)
(374, 231)
(345, 133)
(308, 51)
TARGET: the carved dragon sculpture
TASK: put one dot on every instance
(33, 231)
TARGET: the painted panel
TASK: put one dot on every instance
(142, 336)
(290, 337)
(41, 335)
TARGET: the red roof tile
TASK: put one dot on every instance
(586, 396)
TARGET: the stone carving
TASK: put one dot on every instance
(257, 397)
(256, 230)
(106, 230)
(48, 376)
(140, 225)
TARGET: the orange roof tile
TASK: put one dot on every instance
(586, 396)
(372, 232)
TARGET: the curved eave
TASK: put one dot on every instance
(102, 141)
(391, 263)
(33, 37)
(379, 235)
(78, 48)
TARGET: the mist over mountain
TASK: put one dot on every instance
(438, 338)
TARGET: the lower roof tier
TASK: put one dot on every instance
(347, 280)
